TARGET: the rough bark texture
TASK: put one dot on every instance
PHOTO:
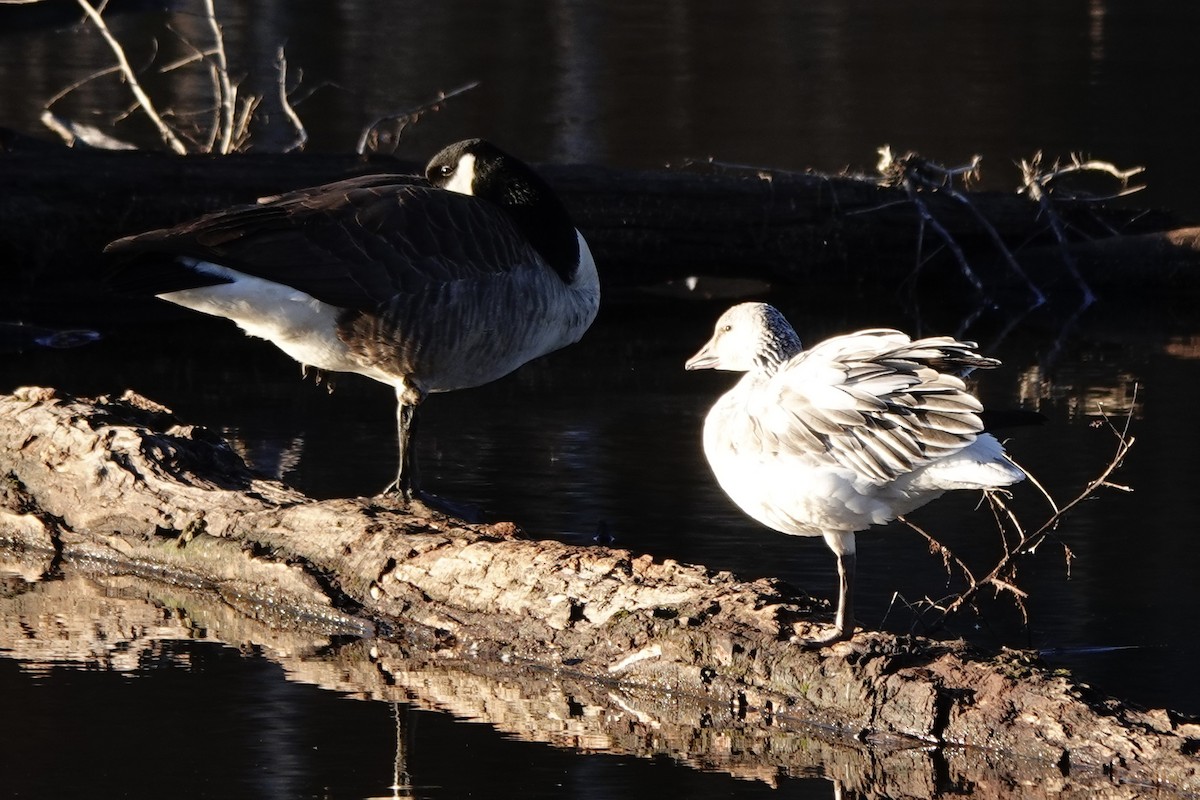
(119, 487)
(59, 208)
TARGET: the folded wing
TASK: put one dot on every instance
(874, 402)
(355, 244)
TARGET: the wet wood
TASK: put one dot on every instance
(58, 208)
(120, 486)
(95, 617)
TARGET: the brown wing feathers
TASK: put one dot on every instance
(355, 244)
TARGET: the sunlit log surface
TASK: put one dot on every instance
(58, 208)
(100, 618)
(120, 494)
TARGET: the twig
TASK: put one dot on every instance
(1002, 576)
(301, 137)
(928, 218)
(77, 133)
(913, 172)
(1036, 184)
(144, 101)
(184, 61)
(227, 96)
(406, 118)
(77, 84)
(1038, 181)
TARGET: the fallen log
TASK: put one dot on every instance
(96, 617)
(58, 208)
(118, 485)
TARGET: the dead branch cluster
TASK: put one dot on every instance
(222, 126)
(1045, 185)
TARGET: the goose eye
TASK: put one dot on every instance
(726, 328)
(445, 170)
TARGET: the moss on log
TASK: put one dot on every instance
(119, 487)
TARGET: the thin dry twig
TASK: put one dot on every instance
(1036, 183)
(74, 133)
(227, 89)
(1002, 577)
(370, 134)
(301, 135)
(164, 130)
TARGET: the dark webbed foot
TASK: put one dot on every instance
(427, 504)
(831, 638)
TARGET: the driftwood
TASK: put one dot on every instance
(115, 489)
(58, 208)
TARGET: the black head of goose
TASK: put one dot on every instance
(852, 432)
(427, 288)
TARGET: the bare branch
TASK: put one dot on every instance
(1002, 576)
(406, 118)
(1036, 181)
(184, 61)
(164, 131)
(74, 133)
(227, 94)
(241, 128)
(301, 137)
(912, 172)
(77, 84)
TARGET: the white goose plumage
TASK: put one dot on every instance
(425, 287)
(851, 433)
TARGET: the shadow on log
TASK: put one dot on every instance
(545, 640)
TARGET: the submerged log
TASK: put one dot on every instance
(120, 486)
(58, 208)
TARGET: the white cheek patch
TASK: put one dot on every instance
(463, 181)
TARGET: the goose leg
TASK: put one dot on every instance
(405, 483)
(844, 624)
(843, 546)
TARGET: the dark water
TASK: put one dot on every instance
(608, 431)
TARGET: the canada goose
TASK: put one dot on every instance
(427, 288)
(850, 433)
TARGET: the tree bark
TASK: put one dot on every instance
(119, 487)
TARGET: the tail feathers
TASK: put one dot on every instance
(157, 273)
(981, 465)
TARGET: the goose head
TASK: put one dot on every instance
(478, 168)
(749, 336)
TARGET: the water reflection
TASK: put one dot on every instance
(791, 85)
(108, 624)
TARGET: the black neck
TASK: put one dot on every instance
(539, 215)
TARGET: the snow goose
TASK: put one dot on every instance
(851, 433)
(427, 288)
